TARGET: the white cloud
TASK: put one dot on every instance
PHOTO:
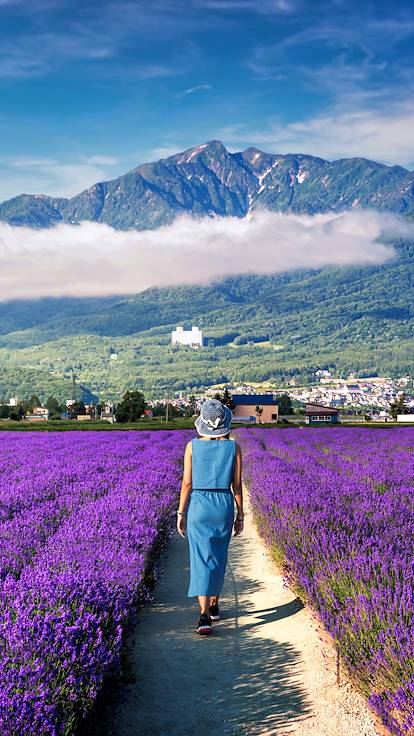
(191, 90)
(385, 134)
(101, 160)
(161, 152)
(94, 259)
(265, 7)
(55, 178)
(29, 162)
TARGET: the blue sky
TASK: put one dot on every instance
(91, 89)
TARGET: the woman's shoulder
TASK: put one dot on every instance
(237, 446)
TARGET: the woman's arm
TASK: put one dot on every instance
(238, 491)
(186, 485)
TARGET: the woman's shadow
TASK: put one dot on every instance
(238, 682)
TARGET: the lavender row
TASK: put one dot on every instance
(46, 487)
(62, 621)
(338, 506)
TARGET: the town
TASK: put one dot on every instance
(329, 400)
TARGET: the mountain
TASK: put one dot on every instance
(209, 180)
(264, 328)
(257, 328)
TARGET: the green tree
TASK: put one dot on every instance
(131, 407)
(285, 405)
(4, 411)
(399, 406)
(259, 411)
(33, 402)
(78, 407)
(225, 398)
(191, 409)
(54, 407)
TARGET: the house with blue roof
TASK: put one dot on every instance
(255, 408)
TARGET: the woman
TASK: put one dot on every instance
(211, 483)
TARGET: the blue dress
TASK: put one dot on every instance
(210, 514)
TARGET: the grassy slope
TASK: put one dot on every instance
(358, 319)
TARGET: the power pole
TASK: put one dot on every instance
(73, 385)
(166, 409)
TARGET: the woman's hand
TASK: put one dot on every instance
(181, 524)
(238, 525)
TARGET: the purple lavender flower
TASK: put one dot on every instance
(338, 507)
(80, 515)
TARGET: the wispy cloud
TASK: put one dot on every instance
(158, 152)
(55, 33)
(53, 177)
(32, 162)
(43, 44)
(350, 63)
(264, 7)
(36, 263)
(357, 38)
(191, 90)
(384, 134)
(102, 160)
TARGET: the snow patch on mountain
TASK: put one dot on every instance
(301, 176)
(261, 177)
(194, 152)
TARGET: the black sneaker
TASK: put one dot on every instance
(214, 612)
(204, 624)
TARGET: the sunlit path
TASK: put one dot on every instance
(265, 670)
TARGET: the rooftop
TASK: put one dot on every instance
(255, 399)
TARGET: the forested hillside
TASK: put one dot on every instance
(273, 327)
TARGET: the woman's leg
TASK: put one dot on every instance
(214, 600)
(204, 601)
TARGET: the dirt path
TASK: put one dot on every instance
(266, 670)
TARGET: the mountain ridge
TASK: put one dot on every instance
(208, 180)
(268, 327)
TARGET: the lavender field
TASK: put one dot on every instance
(337, 508)
(80, 517)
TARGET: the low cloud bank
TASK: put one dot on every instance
(93, 259)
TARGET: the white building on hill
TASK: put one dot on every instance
(193, 337)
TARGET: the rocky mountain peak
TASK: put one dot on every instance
(208, 180)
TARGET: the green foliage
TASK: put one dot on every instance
(131, 407)
(225, 398)
(285, 405)
(76, 409)
(53, 405)
(259, 411)
(399, 406)
(333, 318)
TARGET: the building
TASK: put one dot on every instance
(12, 401)
(317, 415)
(245, 407)
(193, 337)
(405, 418)
(39, 414)
(108, 413)
(84, 417)
(383, 416)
